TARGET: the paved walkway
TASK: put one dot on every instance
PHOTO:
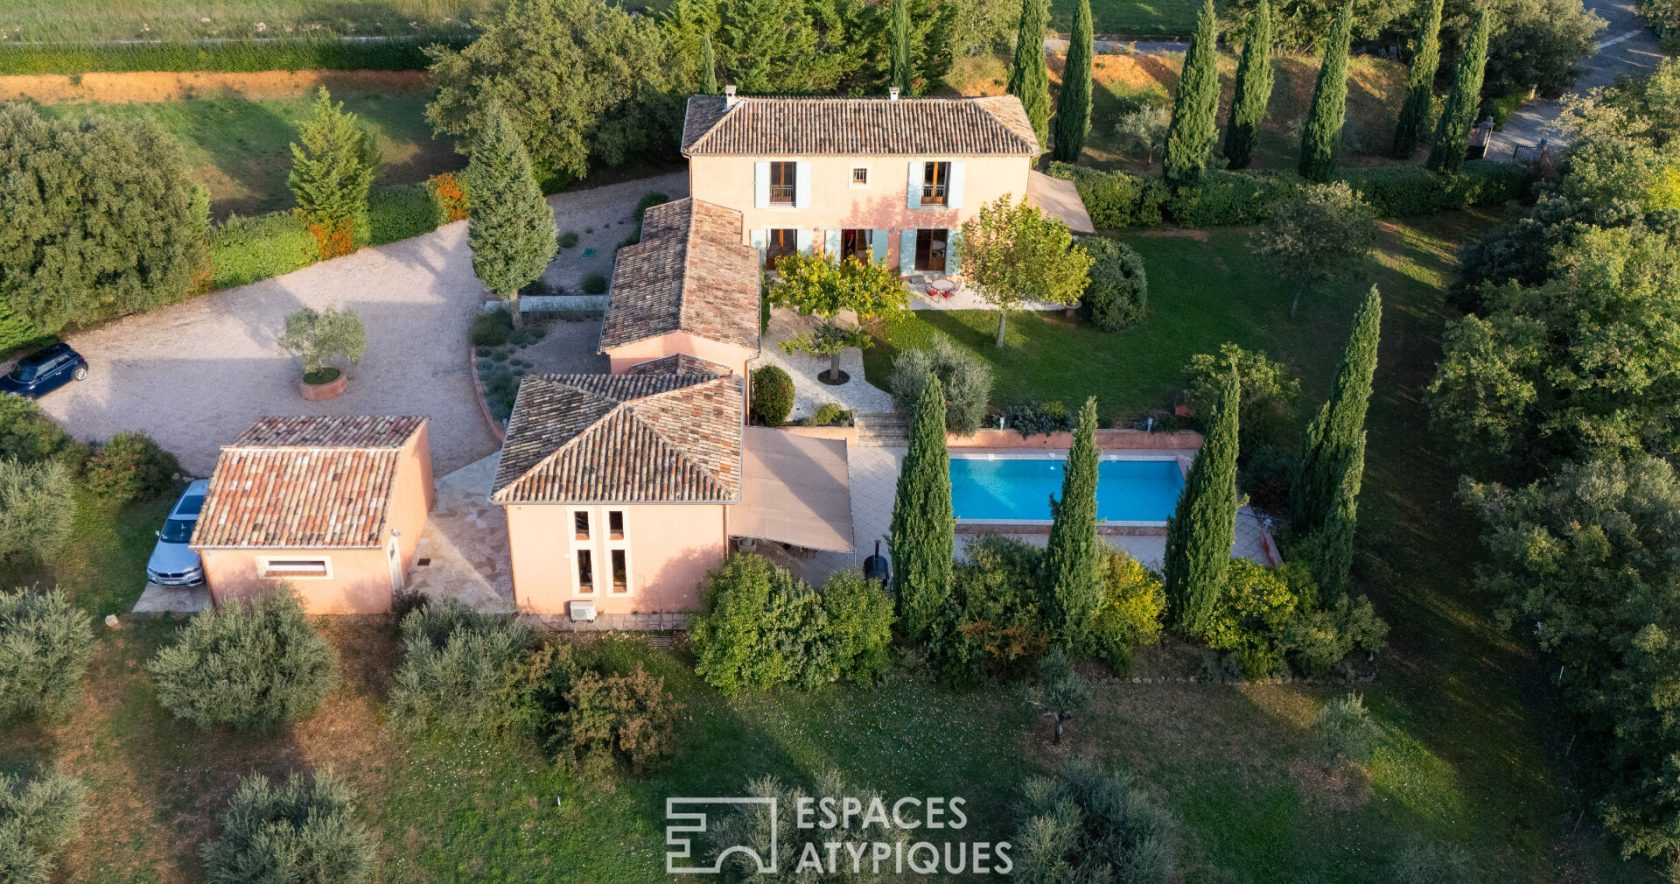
(855, 395)
(195, 374)
(1626, 46)
(465, 547)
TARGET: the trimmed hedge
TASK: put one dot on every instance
(245, 250)
(772, 395)
(386, 54)
(1120, 200)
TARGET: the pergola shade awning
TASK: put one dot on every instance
(794, 490)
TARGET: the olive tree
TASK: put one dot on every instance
(1319, 236)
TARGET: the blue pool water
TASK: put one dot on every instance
(1019, 489)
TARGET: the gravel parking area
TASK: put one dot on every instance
(196, 374)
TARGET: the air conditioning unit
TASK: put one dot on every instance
(583, 611)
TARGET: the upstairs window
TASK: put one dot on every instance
(580, 524)
(936, 184)
(784, 190)
(860, 176)
(615, 524)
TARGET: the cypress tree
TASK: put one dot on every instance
(332, 169)
(1324, 495)
(921, 538)
(1029, 80)
(1203, 526)
(511, 231)
(1195, 108)
(1452, 134)
(898, 50)
(1321, 139)
(1420, 82)
(708, 66)
(1072, 555)
(1254, 89)
(1073, 103)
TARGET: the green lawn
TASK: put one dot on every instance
(239, 147)
(1132, 18)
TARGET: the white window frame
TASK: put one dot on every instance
(867, 173)
(610, 544)
(574, 545)
(265, 564)
(600, 545)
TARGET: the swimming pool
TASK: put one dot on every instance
(1017, 488)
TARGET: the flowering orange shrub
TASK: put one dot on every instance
(334, 240)
(449, 194)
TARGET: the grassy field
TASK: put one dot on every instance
(239, 147)
(1469, 738)
(31, 21)
(1132, 18)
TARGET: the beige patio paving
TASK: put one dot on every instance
(465, 548)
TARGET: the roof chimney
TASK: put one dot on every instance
(892, 94)
(729, 99)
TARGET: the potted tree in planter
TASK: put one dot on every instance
(322, 338)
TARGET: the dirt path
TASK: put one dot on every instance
(119, 88)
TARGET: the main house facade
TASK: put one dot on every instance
(889, 179)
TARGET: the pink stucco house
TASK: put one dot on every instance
(622, 490)
(892, 179)
(331, 506)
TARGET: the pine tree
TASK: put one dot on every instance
(1321, 138)
(332, 170)
(1325, 492)
(511, 231)
(900, 72)
(1072, 556)
(1254, 89)
(922, 534)
(1029, 79)
(1420, 82)
(708, 66)
(1073, 102)
(1194, 125)
(1452, 134)
(1203, 526)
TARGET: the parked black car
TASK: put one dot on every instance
(40, 373)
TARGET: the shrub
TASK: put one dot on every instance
(1088, 824)
(1059, 691)
(1231, 199)
(45, 646)
(993, 624)
(399, 211)
(859, 627)
(589, 716)
(1118, 200)
(1270, 401)
(36, 509)
(323, 337)
(966, 380)
(492, 328)
(1318, 640)
(1134, 605)
(37, 818)
(595, 284)
(1344, 732)
(1405, 191)
(1257, 604)
(247, 250)
(131, 467)
(1266, 477)
(1038, 419)
(1119, 290)
(568, 239)
(772, 395)
(454, 661)
(1430, 862)
(749, 826)
(27, 435)
(248, 664)
(449, 197)
(300, 830)
(831, 414)
(15, 331)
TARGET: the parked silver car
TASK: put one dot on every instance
(173, 563)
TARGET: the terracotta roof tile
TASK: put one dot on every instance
(858, 127)
(689, 273)
(304, 483)
(628, 438)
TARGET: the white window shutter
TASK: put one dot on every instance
(907, 252)
(878, 245)
(831, 245)
(802, 185)
(759, 238)
(761, 185)
(953, 250)
(805, 238)
(913, 195)
(954, 191)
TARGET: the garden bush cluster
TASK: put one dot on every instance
(1118, 294)
(38, 817)
(772, 395)
(129, 467)
(965, 378)
(1121, 200)
(1090, 824)
(46, 644)
(455, 660)
(761, 627)
(590, 711)
(1269, 620)
(299, 830)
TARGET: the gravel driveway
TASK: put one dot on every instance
(194, 375)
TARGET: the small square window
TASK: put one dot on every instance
(860, 175)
